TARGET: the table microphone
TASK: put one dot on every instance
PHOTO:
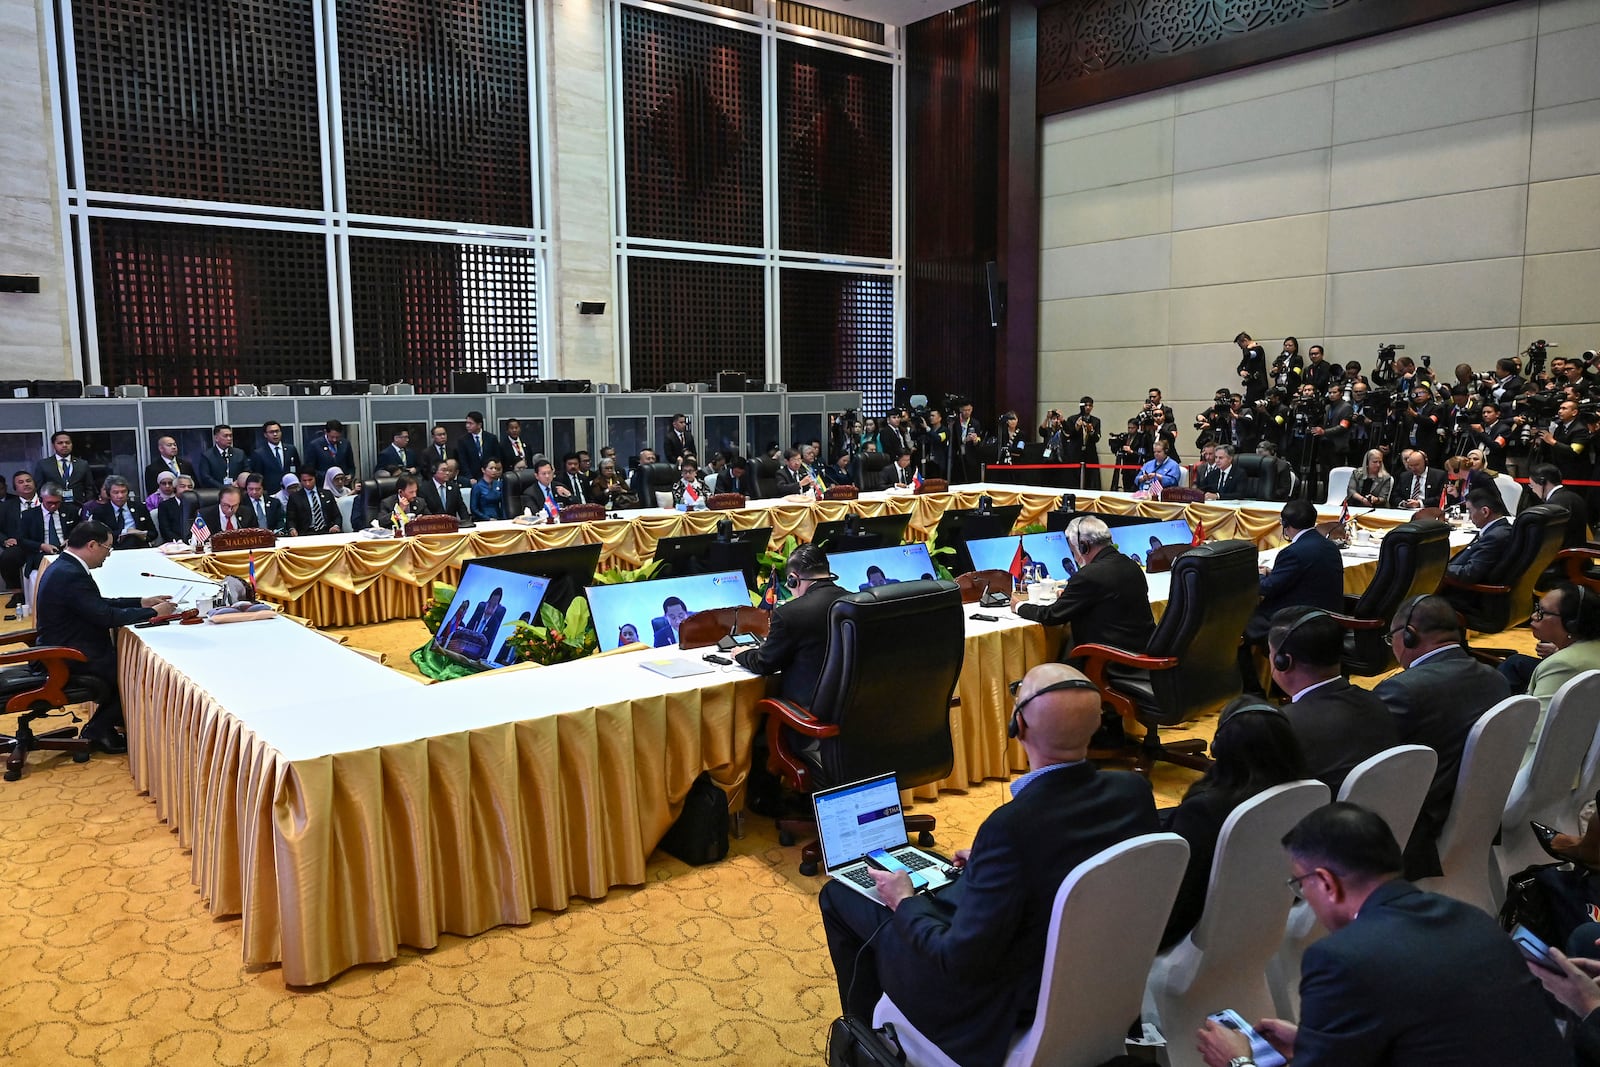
(186, 581)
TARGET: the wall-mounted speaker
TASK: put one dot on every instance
(19, 283)
(591, 307)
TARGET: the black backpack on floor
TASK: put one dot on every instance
(700, 835)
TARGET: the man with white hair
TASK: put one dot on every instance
(1106, 601)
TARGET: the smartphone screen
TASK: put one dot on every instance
(1534, 948)
(881, 859)
(1264, 1054)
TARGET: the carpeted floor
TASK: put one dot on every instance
(108, 957)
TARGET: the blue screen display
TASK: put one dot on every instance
(650, 612)
(881, 566)
(1049, 550)
(488, 604)
(1134, 541)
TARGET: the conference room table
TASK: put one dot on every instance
(342, 809)
(352, 579)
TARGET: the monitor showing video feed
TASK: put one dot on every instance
(881, 566)
(1048, 550)
(1137, 542)
(489, 602)
(651, 612)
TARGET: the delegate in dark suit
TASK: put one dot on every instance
(153, 471)
(1405, 484)
(169, 520)
(1421, 980)
(142, 522)
(1475, 562)
(1107, 602)
(325, 454)
(391, 458)
(796, 643)
(270, 516)
(894, 474)
(965, 965)
(218, 467)
(273, 466)
(31, 532)
(71, 612)
(676, 444)
(243, 517)
(416, 506)
(1227, 484)
(301, 521)
(471, 456)
(76, 478)
(1307, 573)
(1338, 725)
(1435, 702)
(448, 502)
(492, 626)
(788, 481)
(1577, 534)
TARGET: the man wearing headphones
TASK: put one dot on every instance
(1566, 624)
(1307, 573)
(798, 637)
(965, 964)
(1337, 724)
(1435, 699)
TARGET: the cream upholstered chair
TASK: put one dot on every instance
(1393, 783)
(1111, 909)
(1338, 486)
(1489, 763)
(1223, 961)
(1546, 788)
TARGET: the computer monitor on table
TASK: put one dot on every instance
(957, 526)
(569, 568)
(710, 553)
(854, 533)
(651, 612)
(1048, 550)
(859, 571)
(490, 600)
(1137, 542)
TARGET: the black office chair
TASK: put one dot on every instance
(871, 714)
(378, 489)
(1411, 561)
(870, 474)
(1191, 666)
(515, 488)
(659, 478)
(1505, 596)
(1260, 475)
(196, 500)
(37, 682)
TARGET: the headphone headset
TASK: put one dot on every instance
(1573, 622)
(1409, 636)
(793, 580)
(1283, 661)
(1017, 723)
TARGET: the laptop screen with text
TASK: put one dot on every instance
(853, 820)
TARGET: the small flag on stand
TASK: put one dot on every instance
(251, 573)
(551, 510)
(200, 532)
(1199, 533)
(916, 480)
(1016, 563)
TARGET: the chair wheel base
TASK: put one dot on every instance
(808, 869)
(785, 838)
(925, 839)
(80, 757)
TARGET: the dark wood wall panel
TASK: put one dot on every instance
(953, 196)
(837, 333)
(1091, 51)
(688, 320)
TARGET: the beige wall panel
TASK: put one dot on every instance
(1268, 309)
(1294, 121)
(1108, 375)
(1117, 211)
(1487, 224)
(1126, 155)
(1442, 296)
(1268, 79)
(1467, 33)
(1574, 337)
(1103, 118)
(1566, 141)
(1556, 15)
(1564, 216)
(1250, 251)
(1473, 155)
(1131, 320)
(1447, 347)
(1440, 92)
(1568, 71)
(1562, 288)
(1128, 266)
(1263, 189)
(1197, 372)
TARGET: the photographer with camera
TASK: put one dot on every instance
(1423, 422)
(966, 444)
(1252, 368)
(1333, 435)
(1288, 370)
(933, 441)
(1210, 421)
(1566, 443)
(1080, 439)
(1505, 383)
(1304, 427)
(1005, 447)
(1238, 427)
(1493, 434)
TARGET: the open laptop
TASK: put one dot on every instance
(855, 819)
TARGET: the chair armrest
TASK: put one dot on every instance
(1107, 654)
(1449, 582)
(52, 687)
(1577, 561)
(27, 637)
(785, 714)
(1350, 622)
(44, 654)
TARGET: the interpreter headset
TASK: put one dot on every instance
(1018, 723)
(1574, 622)
(1409, 636)
(803, 565)
(1283, 661)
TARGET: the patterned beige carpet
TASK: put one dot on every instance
(108, 957)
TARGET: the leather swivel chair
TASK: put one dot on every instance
(1411, 561)
(871, 713)
(1505, 596)
(1191, 665)
(659, 478)
(709, 627)
(869, 469)
(195, 501)
(36, 681)
(1260, 475)
(765, 474)
(378, 489)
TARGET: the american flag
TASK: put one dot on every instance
(200, 533)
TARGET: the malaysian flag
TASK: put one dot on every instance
(199, 533)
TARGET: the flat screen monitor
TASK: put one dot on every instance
(739, 550)
(881, 566)
(570, 570)
(957, 526)
(489, 601)
(1136, 542)
(1048, 550)
(889, 529)
(650, 612)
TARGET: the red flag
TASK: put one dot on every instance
(1444, 495)
(1016, 562)
(1199, 533)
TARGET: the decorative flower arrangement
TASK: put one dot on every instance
(433, 618)
(558, 637)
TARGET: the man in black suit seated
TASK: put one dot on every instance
(1222, 482)
(1418, 485)
(313, 510)
(792, 477)
(487, 616)
(169, 513)
(68, 473)
(544, 488)
(965, 964)
(798, 636)
(72, 613)
(1337, 724)
(664, 627)
(440, 493)
(1487, 510)
(397, 457)
(166, 460)
(1405, 977)
(43, 531)
(221, 463)
(898, 473)
(1546, 484)
(265, 509)
(128, 520)
(275, 457)
(13, 553)
(404, 497)
(1436, 699)
(227, 513)
(1308, 573)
